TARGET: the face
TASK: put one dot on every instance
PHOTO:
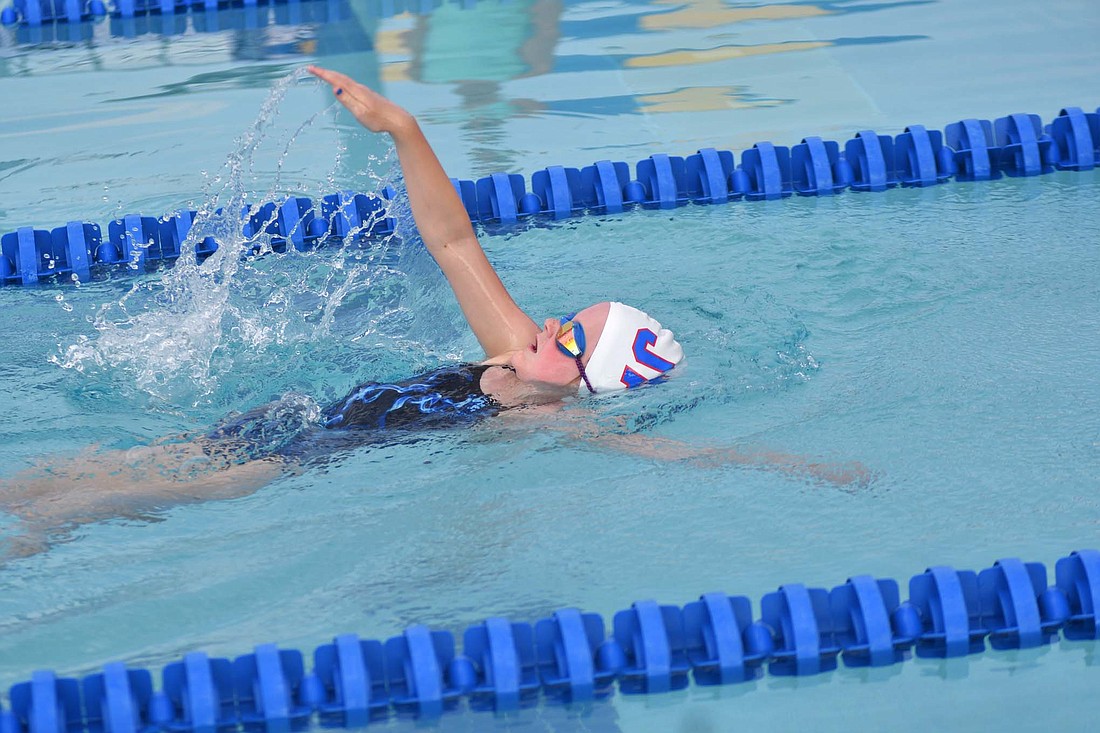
(542, 362)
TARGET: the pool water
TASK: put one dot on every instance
(943, 338)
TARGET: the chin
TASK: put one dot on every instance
(535, 382)
(554, 388)
(540, 393)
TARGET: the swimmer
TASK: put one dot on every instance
(596, 349)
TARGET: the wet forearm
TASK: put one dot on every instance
(440, 216)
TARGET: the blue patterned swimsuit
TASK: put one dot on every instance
(370, 413)
(443, 396)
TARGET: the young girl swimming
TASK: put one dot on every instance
(600, 348)
(603, 347)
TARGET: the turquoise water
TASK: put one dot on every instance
(943, 338)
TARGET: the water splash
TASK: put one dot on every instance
(246, 311)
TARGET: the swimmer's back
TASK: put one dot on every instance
(442, 396)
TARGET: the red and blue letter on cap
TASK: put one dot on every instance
(642, 341)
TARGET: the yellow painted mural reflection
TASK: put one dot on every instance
(713, 13)
(698, 99)
(688, 57)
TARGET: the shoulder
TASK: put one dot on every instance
(500, 382)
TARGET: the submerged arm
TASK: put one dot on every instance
(849, 474)
(496, 320)
(584, 428)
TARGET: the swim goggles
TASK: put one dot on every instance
(571, 343)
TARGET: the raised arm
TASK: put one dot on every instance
(498, 323)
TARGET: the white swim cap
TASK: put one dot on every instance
(632, 350)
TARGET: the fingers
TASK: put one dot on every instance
(335, 78)
(371, 109)
(344, 87)
(323, 74)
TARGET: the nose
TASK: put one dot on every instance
(551, 324)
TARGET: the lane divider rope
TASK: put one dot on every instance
(968, 150)
(569, 656)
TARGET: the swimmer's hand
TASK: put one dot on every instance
(374, 112)
(442, 220)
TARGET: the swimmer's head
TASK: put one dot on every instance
(603, 348)
(630, 349)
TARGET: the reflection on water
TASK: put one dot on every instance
(477, 53)
(488, 74)
(690, 57)
(288, 29)
(697, 99)
(712, 13)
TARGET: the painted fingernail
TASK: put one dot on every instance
(339, 92)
